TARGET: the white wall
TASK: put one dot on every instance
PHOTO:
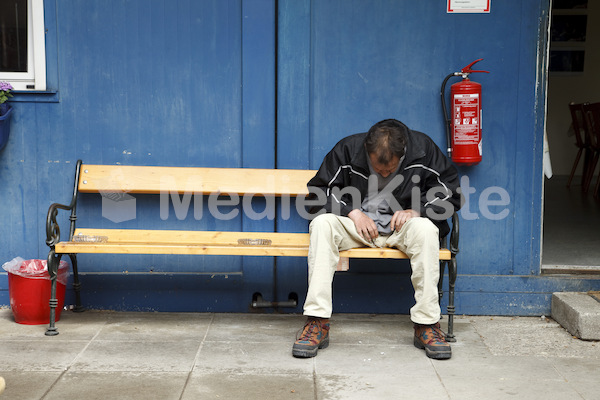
(563, 89)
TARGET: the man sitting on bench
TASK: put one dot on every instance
(389, 187)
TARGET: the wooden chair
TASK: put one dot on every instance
(592, 119)
(581, 141)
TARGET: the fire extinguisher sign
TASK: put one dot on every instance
(466, 118)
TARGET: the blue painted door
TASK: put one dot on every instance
(147, 82)
(345, 64)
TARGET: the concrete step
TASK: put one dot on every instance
(578, 313)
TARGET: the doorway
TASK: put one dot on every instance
(571, 221)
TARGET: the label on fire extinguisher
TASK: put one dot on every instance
(466, 118)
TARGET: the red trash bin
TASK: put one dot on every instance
(29, 290)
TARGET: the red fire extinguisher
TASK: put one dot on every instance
(463, 125)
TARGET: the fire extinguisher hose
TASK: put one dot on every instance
(447, 119)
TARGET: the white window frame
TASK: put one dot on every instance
(35, 77)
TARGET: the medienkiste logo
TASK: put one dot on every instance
(120, 206)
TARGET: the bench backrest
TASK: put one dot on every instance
(156, 180)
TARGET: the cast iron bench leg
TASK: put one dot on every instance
(53, 262)
(76, 284)
(452, 272)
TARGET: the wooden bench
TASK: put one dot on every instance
(241, 181)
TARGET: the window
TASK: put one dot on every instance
(22, 44)
(568, 36)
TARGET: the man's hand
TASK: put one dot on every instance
(365, 226)
(400, 217)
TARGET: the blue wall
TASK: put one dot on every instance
(260, 83)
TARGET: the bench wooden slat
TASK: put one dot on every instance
(222, 238)
(156, 180)
(135, 241)
(172, 248)
(386, 252)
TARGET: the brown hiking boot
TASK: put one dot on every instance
(314, 336)
(433, 340)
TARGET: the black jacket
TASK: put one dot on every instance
(424, 168)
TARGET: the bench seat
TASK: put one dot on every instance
(135, 241)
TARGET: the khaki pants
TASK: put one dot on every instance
(418, 238)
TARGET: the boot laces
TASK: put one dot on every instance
(438, 335)
(308, 330)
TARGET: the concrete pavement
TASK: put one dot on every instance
(114, 355)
